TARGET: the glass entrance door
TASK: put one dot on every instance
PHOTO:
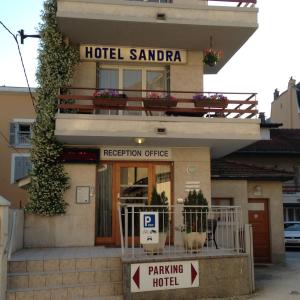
(127, 183)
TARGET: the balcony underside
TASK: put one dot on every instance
(136, 25)
(223, 136)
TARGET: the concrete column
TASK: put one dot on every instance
(4, 207)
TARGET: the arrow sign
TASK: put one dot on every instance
(136, 277)
(193, 273)
(155, 276)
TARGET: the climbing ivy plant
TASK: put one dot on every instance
(56, 62)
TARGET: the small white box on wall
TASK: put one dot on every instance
(82, 194)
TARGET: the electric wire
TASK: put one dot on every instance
(7, 142)
(22, 62)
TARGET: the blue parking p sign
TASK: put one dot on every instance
(149, 233)
(149, 221)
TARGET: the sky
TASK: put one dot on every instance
(267, 60)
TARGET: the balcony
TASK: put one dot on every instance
(181, 24)
(224, 125)
(290, 189)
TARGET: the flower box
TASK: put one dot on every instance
(211, 103)
(98, 101)
(154, 102)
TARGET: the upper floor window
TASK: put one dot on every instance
(20, 133)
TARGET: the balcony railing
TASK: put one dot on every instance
(158, 103)
(290, 189)
(181, 230)
(239, 3)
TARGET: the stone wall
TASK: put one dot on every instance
(220, 276)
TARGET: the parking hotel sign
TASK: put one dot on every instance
(149, 227)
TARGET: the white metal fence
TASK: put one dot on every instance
(182, 230)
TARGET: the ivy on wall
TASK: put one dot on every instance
(56, 62)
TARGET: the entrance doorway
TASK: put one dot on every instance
(127, 183)
(259, 219)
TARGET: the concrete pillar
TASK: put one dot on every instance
(4, 207)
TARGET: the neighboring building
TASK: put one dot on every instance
(16, 118)
(285, 108)
(282, 152)
(258, 191)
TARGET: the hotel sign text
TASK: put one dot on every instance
(133, 54)
(135, 153)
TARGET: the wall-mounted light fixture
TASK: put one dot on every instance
(139, 140)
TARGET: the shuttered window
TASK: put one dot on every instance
(20, 134)
(21, 166)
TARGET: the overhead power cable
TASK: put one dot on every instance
(23, 66)
(7, 142)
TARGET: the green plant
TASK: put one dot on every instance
(211, 56)
(195, 218)
(163, 212)
(56, 62)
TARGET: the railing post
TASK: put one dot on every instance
(4, 207)
(121, 227)
(132, 231)
(126, 228)
(249, 251)
(237, 230)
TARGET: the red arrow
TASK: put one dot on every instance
(193, 273)
(136, 277)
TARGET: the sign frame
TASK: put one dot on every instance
(149, 227)
(132, 54)
(155, 276)
(135, 154)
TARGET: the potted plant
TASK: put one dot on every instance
(211, 56)
(195, 220)
(109, 98)
(214, 101)
(159, 199)
(157, 100)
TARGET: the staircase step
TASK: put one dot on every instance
(46, 265)
(119, 297)
(62, 278)
(68, 292)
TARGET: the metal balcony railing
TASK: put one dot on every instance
(163, 103)
(239, 3)
(290, 189)
(183, 230)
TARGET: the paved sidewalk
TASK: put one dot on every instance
(280, 282)
(276, 282)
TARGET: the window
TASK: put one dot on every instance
(131, 78)
(20, 166)
(20, 133)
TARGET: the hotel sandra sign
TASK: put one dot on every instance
(132, 54)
